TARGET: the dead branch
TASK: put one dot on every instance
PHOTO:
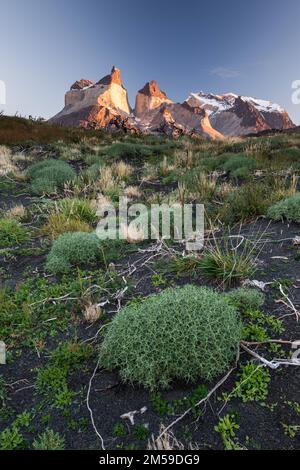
(88, 405)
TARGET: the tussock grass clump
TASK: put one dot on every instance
(187, 333)
(79, 209)
(132, 192)
(48, 176)
(12, 233)
(122, 171)
(246, 203)
(225, 264)
(73, 249)
(288, 209)
(59, 224)
(107, 182)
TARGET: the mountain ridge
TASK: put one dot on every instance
(105, 105)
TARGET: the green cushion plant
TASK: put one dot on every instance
(48, 176)
(73, 249)
(187, 333)
(288, 209)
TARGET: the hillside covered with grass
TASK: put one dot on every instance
(119, 338)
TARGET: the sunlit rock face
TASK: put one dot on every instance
(95, 104)
(149, 98)
(104, 105)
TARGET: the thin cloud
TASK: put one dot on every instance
(224, 72)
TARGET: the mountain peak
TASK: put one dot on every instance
(152, 89)
(113, 77)
(149, 98)
(81, 84)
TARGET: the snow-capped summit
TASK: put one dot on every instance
(233, 115)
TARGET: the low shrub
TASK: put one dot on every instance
(48, 176)
(246, 299)
(130, 151)
(246, 203)
(239, 165)
(184, 333)
(73, 249)
(288, 209)
(12, 233)
(93, 172)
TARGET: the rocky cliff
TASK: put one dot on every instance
(105, 105)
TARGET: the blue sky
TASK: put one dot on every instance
(248, 48)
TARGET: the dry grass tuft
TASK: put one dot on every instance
(106, 182)
(122, 171)
(133, 234)
(92, 313)
(17, 212)
(168, 442)
(132, 192)
(7, 165)
(58, 224)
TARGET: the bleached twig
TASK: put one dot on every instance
(289, 303)
(88, 405)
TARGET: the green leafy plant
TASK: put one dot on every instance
(141, 432)
(186, 333)
(253, 383)
(290, 430)
(254, 332)
(49, 440)
(12, 439)
(227, 428)
(120, 430)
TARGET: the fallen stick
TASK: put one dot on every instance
(88, 405)
(274, 364)
(291, 305)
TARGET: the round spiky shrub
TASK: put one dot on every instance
(73, 249)
(49, 175)
(288, 209)
(186, 333)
